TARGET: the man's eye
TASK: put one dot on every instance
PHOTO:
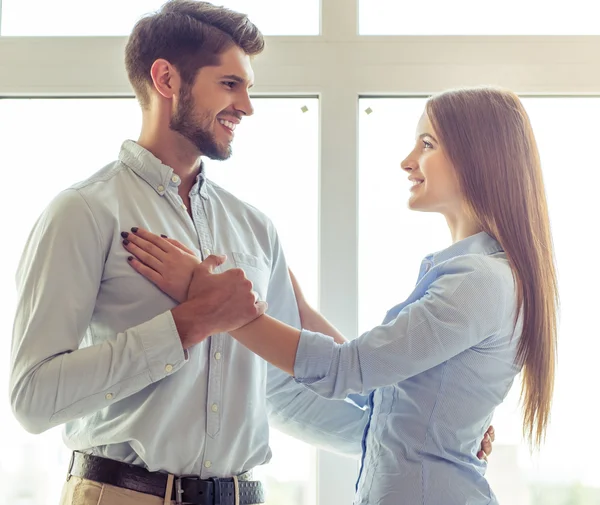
(229, 84)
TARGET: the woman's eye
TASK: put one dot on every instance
(427, 145)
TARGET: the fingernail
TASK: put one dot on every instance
(134, 229)
(124, 234)
(164, 236)
(125, 242)
(130, 258)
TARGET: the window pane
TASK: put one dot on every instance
(33, 468)
(565, 470)
(474, 17)
(116, 17)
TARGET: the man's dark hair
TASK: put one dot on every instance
(188, 34)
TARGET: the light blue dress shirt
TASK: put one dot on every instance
(95, 345)
(435, 369)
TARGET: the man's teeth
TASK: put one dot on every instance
(228, 124)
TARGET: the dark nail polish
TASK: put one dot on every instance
(134, 229)
(164, 236)
(125, 242)
(124, 234)
(130, 258)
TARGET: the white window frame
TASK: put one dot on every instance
(339, 66)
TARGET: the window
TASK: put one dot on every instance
(115, 17)
(571, 176)
(473, 17)
(262, 173)
(340, 62)
(61, 136)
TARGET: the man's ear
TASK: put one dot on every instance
(165, 78)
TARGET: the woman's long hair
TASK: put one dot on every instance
(487, 136)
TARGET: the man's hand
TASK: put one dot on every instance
(216, 303)
(486, 444)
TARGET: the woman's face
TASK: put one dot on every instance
(435, 186)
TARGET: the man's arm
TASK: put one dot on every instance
(335, 425)
(312, 319)
(52, 381)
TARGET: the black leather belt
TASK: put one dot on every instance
(186, 490)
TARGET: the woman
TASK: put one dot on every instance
(483, 310)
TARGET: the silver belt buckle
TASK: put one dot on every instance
(178, 491)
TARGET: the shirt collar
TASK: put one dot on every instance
(154, 172)
(480, 243)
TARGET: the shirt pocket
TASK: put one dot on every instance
(256, 270)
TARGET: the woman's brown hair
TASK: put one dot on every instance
(487, 136)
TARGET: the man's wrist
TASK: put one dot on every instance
(190, 324)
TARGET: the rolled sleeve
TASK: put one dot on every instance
(314, 357)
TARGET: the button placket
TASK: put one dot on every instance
(215, 374)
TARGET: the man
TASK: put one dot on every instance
(98, 348)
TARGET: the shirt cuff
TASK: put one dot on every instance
(162, 346)
(313, 357)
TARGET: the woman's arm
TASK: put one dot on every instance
(271, 339)
(462, 307)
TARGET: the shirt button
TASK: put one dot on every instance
(217, 356)
(215, 407)
(206, 252)
(161, 188)
(175, 179)
(207, 464)
(109, 396)
(169, 368)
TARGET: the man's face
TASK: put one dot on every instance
(208, 111)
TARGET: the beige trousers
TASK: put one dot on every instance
(78, 491)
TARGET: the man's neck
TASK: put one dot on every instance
(174, 151)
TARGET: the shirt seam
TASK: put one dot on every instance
(98, 229)
(427, 432)
(384, 431)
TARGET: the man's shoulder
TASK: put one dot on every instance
(108, 174)
(88, 195)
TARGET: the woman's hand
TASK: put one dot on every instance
(164, 261)
(487, 444)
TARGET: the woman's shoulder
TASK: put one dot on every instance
(493, 268)
(479, 278)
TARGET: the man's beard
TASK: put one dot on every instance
(186, 124)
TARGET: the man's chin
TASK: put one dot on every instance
(221, 154)
(214, 152)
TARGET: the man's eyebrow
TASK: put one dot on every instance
(237, 78)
